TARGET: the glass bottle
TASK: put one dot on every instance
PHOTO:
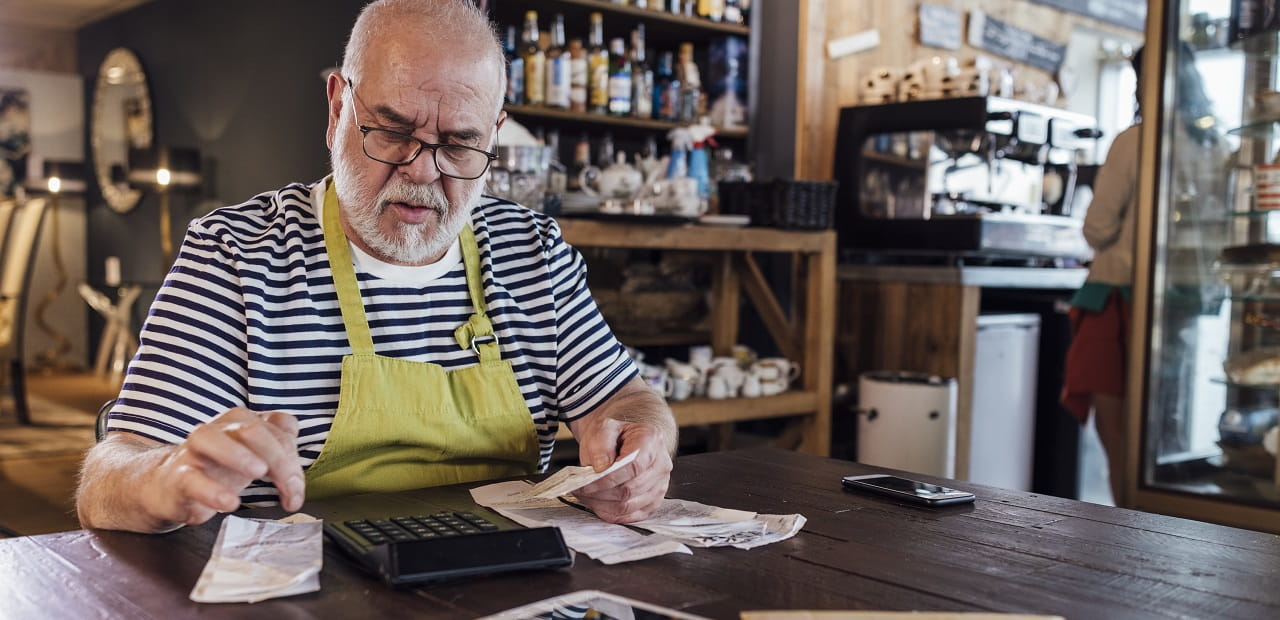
(690, 84)
(666, 89)
(597, 67)
(557, 91)
(581, 161)
(641, 77)
(535, 62)
(577, 76)
(619, 78)
(515, 68)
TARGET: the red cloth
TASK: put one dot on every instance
(1097, 362)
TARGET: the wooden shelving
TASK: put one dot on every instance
(567, 116)
(805, 334)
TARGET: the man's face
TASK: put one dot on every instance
(410, 214)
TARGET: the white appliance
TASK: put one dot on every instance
(1003, 416)
(907, 421)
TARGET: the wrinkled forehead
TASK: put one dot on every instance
(427, 77)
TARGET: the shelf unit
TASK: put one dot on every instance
(1207, 294)
(805, 333)
(664, 32)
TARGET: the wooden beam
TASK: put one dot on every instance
(761, 296)
(819, 344)
(724, 305)
(699, 411)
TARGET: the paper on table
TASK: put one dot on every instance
(583, 531)
(257, 559)
(570, 479)
(701, 525)
(800, 614)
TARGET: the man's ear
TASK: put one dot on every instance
(333, 89)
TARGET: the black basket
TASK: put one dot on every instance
(782, 203)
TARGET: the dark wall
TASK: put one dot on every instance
(240, 80)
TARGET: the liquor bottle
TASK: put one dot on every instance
(515, 68)
(619, 78)
(641, 77)
(557, 92)
(666, 89)
(711, 9)
(581, 161)
(675, 6)
(605, 158)
(577, 76)
(690, 84)
(597, 67)
(535, 62)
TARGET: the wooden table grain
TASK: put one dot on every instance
(1010, 551)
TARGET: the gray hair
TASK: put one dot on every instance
(440, 20)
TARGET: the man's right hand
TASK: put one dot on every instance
(189, 483)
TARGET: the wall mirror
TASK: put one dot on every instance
(121, 121)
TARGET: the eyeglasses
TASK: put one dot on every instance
(400, 149)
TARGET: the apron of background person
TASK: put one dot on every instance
(404, 425)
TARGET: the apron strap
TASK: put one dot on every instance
(477, 333)
(344, 276)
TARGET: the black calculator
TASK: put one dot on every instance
(417, 549)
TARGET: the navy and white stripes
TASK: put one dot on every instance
(248, 317)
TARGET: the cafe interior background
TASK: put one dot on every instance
(924, 168)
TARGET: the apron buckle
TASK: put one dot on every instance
(475, 342)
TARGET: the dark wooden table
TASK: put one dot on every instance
(1009, 552)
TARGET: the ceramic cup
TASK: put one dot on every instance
(776, 369)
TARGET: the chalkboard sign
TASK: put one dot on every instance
(1009, 41)
(1131, 14)
(940, 26)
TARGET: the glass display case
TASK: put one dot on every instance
(1207, 305)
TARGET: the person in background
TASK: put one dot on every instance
(1097, 362)
(385, 328)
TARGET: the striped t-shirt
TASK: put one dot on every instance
(248, 317)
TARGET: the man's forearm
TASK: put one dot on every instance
(637, 403)
(112, 484)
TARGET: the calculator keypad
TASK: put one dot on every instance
(420, 527)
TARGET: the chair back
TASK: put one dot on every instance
(19, 260)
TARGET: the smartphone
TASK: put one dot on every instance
(910, 490)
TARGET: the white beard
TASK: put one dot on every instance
(410, 244)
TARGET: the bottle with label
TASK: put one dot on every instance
(597, 67)
(515, 68)
(619, 78)
(577, 76)
(666, 89)
(690, 84)
(557, 92)
(641, 77)
(535, 62)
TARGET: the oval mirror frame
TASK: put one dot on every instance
(121, 120)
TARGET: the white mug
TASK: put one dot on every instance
(717, 388)
(751, 386)
(777, 369)
(679, 389)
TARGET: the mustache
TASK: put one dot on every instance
(428, 196)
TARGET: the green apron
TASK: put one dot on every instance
(404, 425)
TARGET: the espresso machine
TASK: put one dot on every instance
(970, 177)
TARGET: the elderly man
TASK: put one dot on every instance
(386, 328)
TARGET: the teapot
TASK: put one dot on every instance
(619, 181)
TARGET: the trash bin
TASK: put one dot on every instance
(907, 421)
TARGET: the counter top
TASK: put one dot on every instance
(985, 277)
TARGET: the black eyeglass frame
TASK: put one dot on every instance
(423, 145)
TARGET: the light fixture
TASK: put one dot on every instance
(164, 169)
(61, 177)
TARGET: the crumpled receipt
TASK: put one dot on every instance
(568, 480)
(257, 559)
(701, 525)
(674, 525)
